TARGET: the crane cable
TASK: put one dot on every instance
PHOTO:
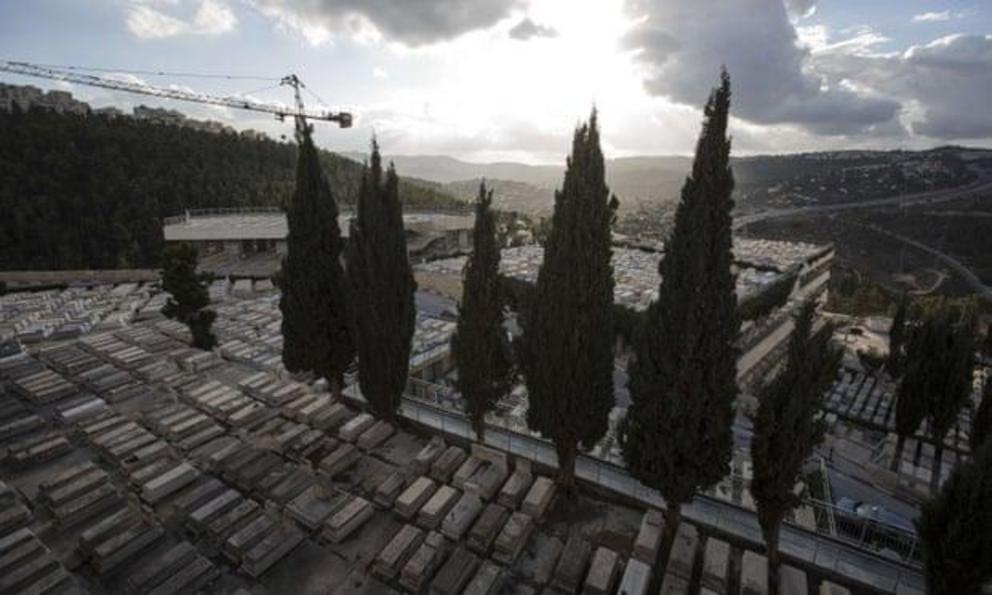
(233, 77)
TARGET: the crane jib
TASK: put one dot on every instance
(343, 119)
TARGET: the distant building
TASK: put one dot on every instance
(109, 112)
(159, 115)
(251, 241)
(26, 97)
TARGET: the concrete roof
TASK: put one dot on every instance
(272, 226)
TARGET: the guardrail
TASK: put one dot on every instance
(867, 533)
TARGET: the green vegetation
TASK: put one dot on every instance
(774, 296)
(479, 346)
(981, 421)
(937, 380)
(82, 192)
(382, 287)
(566, 351)
(189, 297)
(956, 529)
(677, 436)
(787, 429)
(897, 339)
(313, 298)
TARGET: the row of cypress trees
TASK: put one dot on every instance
(677, 437)
(337, 303)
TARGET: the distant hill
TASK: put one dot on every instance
(763, 181)
(89, 191)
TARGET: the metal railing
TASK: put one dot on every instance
(432, 405)
(866, 533)
(221, 212)
(277, 210)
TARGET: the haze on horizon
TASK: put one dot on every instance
(507, 80)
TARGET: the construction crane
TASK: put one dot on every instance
(71, 74)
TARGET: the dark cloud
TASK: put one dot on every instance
(945, 84)
(682, 46)
(800, 8)
(527, 29)
(411, 22)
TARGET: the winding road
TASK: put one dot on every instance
(931, 197)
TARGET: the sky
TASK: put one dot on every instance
(508, 80)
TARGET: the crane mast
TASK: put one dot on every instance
(343, 119)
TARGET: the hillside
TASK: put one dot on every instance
(763, 181)
(90, 191)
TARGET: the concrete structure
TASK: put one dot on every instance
(226, 236)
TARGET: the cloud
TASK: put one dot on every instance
(800, 8)
(932, 17)
(682, 45)
(943, 85)
(409, 22)
(526, 29)
(212, 17)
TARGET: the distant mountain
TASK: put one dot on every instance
(761, 181)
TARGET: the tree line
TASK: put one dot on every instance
(347, 302)
(89, 192)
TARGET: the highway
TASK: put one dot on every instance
(929, 197)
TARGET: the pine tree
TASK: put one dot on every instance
(677, 434)
(189, 296)
(382, 286)
(951, 384)
(981, 421)
(787, 428)
(314, 299)
(566, 351)
(897, 337)
(479, 346)
(956, 529)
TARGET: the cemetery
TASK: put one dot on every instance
(134, 463)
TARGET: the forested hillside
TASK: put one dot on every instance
(90, 192)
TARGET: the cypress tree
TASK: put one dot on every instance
(897, 337)
(189, 296)
(566, 351)
(911, 397)
(787, 428)
(981, 421)
(954, 353)
(479, 345)
(316, 335)
(956, 529)
(677, 435)
(382, 287)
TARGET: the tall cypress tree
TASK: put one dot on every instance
(787, 429)
(479, 345)
(956, 529)
(950, 386)
(981, 421)
(314, 299)
(911, 397)
(566, 351)
(189, 297)
(382, 289)
(677, 435)
(897, 338)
